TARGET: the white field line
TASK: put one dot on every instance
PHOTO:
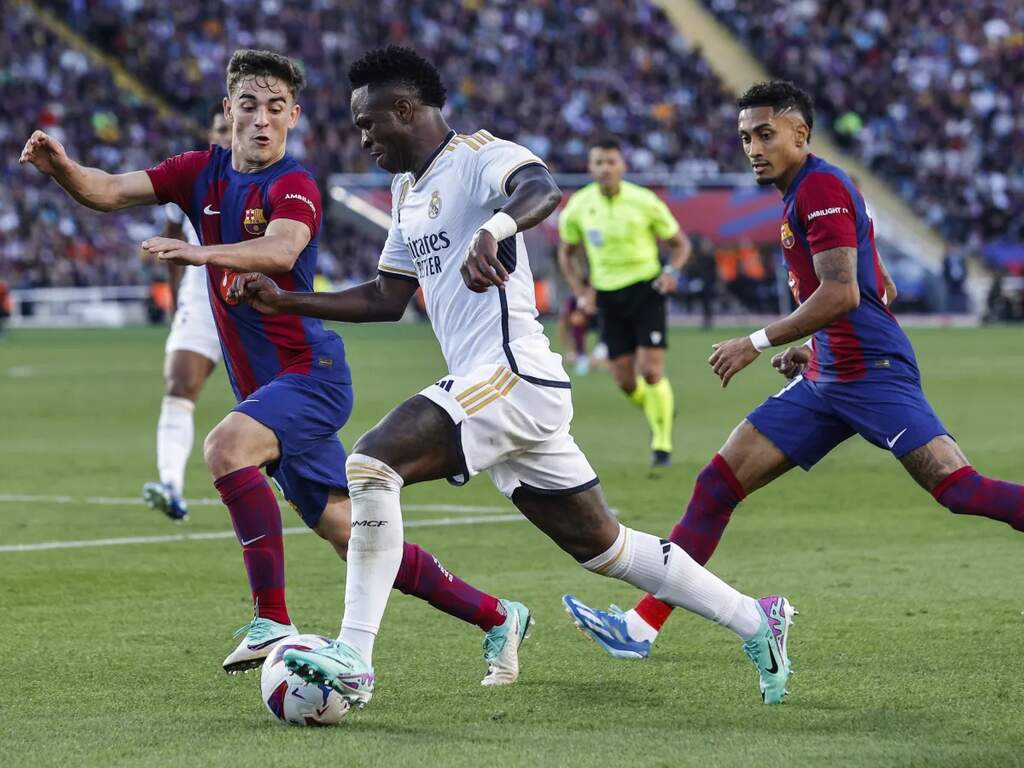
(205, 536)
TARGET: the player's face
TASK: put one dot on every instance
(774, 143)
(384, 120)
(606, 166)
(262, 111)
(220, 132)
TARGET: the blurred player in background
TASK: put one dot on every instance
(459, 206)
(618, 225)
(191, 352)
(860, 376)
(256, 208)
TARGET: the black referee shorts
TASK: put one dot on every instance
(631, 317)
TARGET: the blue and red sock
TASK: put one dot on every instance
(965, 492)
(256, 518)
(422, 576)
(715, 495)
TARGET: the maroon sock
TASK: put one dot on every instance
(965, 492)
(256, 519)
(715, 495)
(422, 576)
(579, 339)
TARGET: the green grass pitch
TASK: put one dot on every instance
(907, 649)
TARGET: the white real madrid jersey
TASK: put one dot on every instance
(193, 288)
(433, 219)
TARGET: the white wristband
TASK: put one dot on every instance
(760, 340)
(501, 225)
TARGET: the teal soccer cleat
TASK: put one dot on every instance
(338, 665)
(501, 645)
(259, 637)
(768, 648)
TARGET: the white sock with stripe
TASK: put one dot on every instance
(175, 432)
(665, 570)
(374, 549)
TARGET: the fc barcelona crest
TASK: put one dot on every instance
(255, 222)
(787, 236)
(434, 210)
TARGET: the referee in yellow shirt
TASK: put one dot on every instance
(619, 225)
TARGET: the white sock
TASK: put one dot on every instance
(660, 567)
(374, 549)
(638, 628)
(174, 434)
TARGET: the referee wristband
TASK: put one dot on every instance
(760, 340)
(500, 225)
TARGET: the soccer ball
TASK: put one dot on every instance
(290, 698)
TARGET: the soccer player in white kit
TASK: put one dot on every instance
(190, 354)
(459, 204)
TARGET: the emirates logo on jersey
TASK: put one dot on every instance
(787, 236)
(254, 222)
(434, 209)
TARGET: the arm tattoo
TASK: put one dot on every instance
(838, 265)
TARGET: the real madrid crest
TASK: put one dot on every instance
(434, 210)
(254, 222)
(787, 235)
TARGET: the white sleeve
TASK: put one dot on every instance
(395, 260)
(174, 214)
(492, 165)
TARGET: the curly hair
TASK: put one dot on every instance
(399, 65)
(247, 62)
(779, 95)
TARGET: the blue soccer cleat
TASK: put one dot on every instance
(163, 497)
(768, 648)
(338, 665)
(607, 628)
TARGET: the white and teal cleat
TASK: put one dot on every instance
(259, 637)
(768, 649)
(337, 665)
(501, 645)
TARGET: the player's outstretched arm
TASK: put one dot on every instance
(275, 252)
(534, 195)
(91, 187)
(377, 301)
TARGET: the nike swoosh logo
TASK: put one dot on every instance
(251, 541)
(775, 664)
(892, 442)
(263, 645)
(250, 400)
(210, 212)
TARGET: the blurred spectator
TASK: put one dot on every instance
(954, 276)
(702, 279)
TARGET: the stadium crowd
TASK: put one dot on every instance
(929, 93)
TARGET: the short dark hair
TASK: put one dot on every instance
(396, 65)
(248, 62)
(606, 142)
(779, 95)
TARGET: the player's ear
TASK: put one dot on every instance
(802, 134)
(293, 118)
(403, 109)
(226, 105)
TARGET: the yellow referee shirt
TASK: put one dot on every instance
(620, 233)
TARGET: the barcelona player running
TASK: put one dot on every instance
(257, 209)
(859, 377)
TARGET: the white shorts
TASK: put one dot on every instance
(193, 329)
(517, 431)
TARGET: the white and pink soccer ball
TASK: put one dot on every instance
(290, 698)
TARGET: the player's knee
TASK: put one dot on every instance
(651, 375)
(222, 453)
(186, 387)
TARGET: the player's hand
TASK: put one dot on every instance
(176, 251)
(732, 356)
(256, 290)
(666, 283)
(586, 302)
(45, 153)
(482, 269)
(793, 361)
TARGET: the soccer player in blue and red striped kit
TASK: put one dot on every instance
(859, 376)
(256, 209)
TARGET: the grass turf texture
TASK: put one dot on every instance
(905, 649)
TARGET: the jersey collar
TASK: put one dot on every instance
(809, 164)
(430, 160)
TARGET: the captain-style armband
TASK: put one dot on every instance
(760, 340)
(500, 225)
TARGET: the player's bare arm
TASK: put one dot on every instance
(535, 195)
(679, 250)
(890, 286)
(277, 251)
(837, 294)
(91, 187)
(570, 258)
(381, 300)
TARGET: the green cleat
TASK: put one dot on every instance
(337, 665)
(768, 648)
(501, 645)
